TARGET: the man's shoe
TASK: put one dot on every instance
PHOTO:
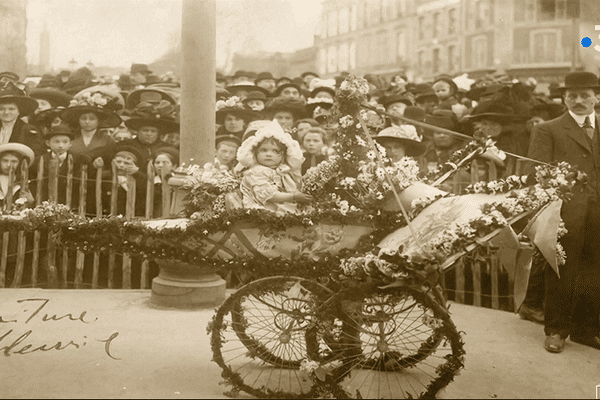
(554, 343)
(531, 314)
(592, 341)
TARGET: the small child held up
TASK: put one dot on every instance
(446, 91)
(313, 143)
(227, 146)
(11, 156)
(273, 180)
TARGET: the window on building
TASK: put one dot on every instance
(452, 58)
(452, 21)
(343, 57)
(401, 51)
(479, 52)
(322, 61)
(323, 26)
(421, 28)
(529, 10)
(366, 13)
(561, 9)
(344, 20)
(331, 59)
(353, 17)
(436, 60)
(387, 12)
(436, 24)
(420, 60)
(546, 10)
(332, 24)
(546, 47)
(352, 56)
(482, 14)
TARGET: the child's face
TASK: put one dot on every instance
(256, 105)
(442, 90)
(285, 119)
(269, 155)
(124, 162)
(7, 162)
(59, 144)
(313, 143)
(226, 152)
(233, 123)
(163, 164)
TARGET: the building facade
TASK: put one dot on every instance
(13, 29)
(423, 38)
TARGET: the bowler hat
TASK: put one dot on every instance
(304, 74)
(10, 93)
(59, 130)
(280, 88)
(141, 68)
(227, 138)
(263, 76)
(580, 80)
(248, 86)
(256, 95)
(284, 79)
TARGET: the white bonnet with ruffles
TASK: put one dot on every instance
(293, 157)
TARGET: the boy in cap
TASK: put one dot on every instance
(226, 151)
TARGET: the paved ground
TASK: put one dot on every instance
(160, 353)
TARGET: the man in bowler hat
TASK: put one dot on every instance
(573, 296)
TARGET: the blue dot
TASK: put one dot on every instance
(586, 42)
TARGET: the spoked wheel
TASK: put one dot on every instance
(259, 336)
(391, 343)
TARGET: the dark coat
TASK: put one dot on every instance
(561, 139)
(28, 135)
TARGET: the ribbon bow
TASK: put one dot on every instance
(162, 110)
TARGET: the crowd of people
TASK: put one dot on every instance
(121, 126)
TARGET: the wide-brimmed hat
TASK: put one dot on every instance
(294, 106)
(46, 117)
(160, 116)
(135, 68)
(247, 86)
(407, 135)
(150, 95)
(172, 151)
(496, 112)
(242, 113)
(56, 98)
(280, 88)
(22, 149)
(548, 110)
(315, 91)
(10, 75)
(263, 76)
(256, 95)
(304, 74)
(115, 101)
(59, 130)
(313, 103)
(10, 93)
(395, 98)
(580, 80)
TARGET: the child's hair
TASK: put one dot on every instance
(17, 172)
(318, 131)
(310, 121)
(279, 145)
(123, 153)
(228, 143)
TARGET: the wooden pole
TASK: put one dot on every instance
(198, 71)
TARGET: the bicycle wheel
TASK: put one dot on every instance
(259, 336)
(390, 343)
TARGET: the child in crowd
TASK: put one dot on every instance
(303, 125)
(446, 91)
(273, 180)
(313, 143)
(59, 139)
(165, 160)
(227, 146)
(127, 161)
(11, 156)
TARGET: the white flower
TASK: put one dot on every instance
(309, 366)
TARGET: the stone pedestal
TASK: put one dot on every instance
(186, 286)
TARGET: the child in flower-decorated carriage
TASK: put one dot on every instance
(273, 180)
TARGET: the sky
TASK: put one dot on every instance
(121, 32)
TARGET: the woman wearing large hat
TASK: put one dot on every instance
(400, 141)
(285, 111)
(241, 89)
(87, 115)
(153, 94)
(233, 117)
(13, 105)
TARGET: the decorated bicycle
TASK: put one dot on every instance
(343, 296)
